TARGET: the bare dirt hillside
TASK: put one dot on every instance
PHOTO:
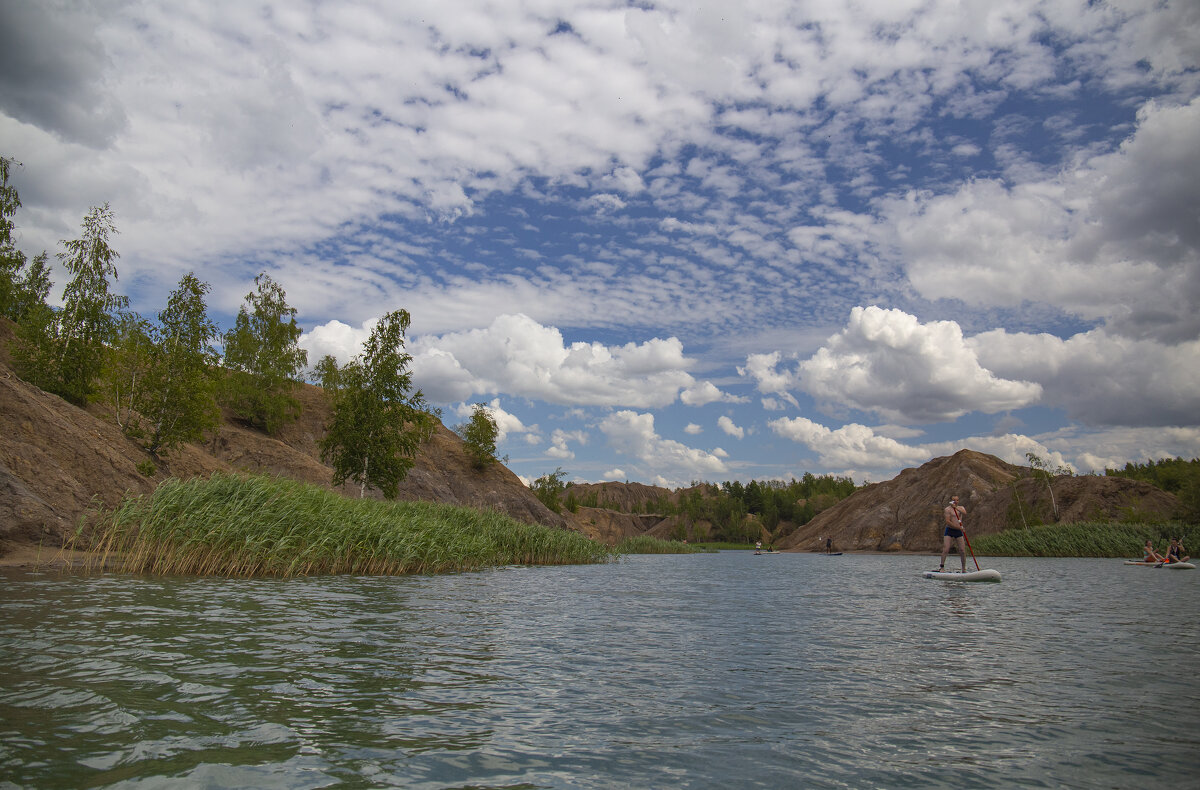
(57, 461)
(905, 513)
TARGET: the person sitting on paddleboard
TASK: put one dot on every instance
(1175, 552)
(953, 514)
(1149, 554)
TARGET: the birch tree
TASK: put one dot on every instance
(378, 422)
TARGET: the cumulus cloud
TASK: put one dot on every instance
(1117, 229)
(520, 357)
(852, 446)
(336, 339)
(559, 440)
(763, 369)
(1101, 378)
(633, 435)
(705, 392)
(889, 363)
(728, 426)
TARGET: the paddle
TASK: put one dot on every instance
(968, 540)
(958, 518)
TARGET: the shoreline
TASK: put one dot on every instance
(40, 557)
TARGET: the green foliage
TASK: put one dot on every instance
(160, 380)
(128, 371)
(23, 285)
(264, 358)
(1173, 475)
(180, 401)
(549, 487)
(146, 468)
(378, 422)
(231, 525)
(1046, 472)
(1093, 539)
(63, 351)
(479, 436)
(771, 501)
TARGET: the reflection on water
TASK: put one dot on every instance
(702, 671)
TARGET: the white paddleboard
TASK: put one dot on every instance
(1178, 566)
(985, 575)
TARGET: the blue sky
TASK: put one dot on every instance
(665, 242)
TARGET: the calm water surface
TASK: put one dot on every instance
(719, 670)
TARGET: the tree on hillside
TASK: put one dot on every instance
(180, 403)
(161, 380)
(378, 421)
(479, 436)
(1045, 471)
(23, 285)
(64, 351)
(264, 357)
(549, 487)
(127, 372)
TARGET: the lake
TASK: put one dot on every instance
(700, 671)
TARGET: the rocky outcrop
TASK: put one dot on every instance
(610, 526)
(905, 513)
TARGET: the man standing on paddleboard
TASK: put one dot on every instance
(953, 514)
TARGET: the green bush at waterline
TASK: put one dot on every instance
(1103, 539)
(235, 525)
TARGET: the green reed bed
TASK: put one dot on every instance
(235, 525)
(1100, 539)
(645, 544)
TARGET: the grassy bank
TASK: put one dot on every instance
(234, 525)
(1086, 540)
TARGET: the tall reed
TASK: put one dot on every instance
(237, 525)
(1098, 539)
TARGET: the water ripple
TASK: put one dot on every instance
(691, 672)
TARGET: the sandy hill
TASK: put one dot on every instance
(57, 461)
(905, 513)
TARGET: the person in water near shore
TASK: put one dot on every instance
(829, 545)
(1175, 552)
(954, 532)
(1149, 554)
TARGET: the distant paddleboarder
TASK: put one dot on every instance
(954, 532)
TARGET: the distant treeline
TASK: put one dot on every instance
(1173, 475)
(777, 506)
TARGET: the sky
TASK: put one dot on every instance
(664, 242)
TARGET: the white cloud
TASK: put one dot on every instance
(769, 380)
(340, 341)
(558, 443)
(693, 429)
(520, 357)
(852, 446)
(888, 362)
(705, 392)
(728, 426)
(1118, 229)
(633, 435)
(1100, 378)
